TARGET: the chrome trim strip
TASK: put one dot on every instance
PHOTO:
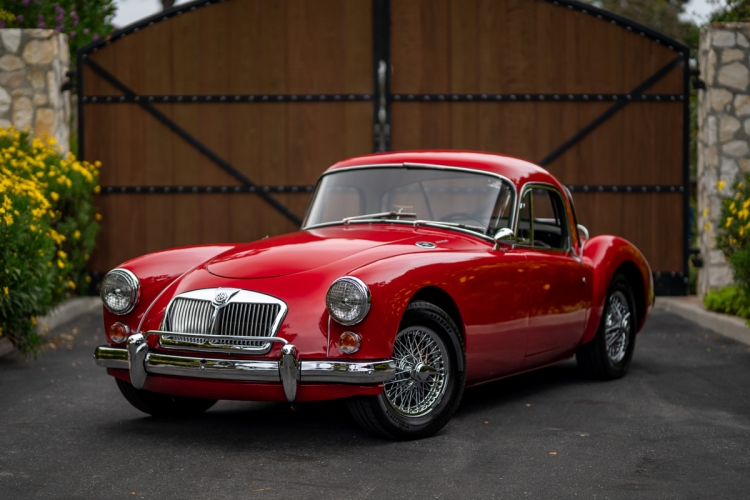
(111, 357)
(328, 343)
(291, 374)
(347, 372)
(221, 369)
(416, 165)
(357, 167)
(205, 342)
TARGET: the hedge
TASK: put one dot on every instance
(48, 225)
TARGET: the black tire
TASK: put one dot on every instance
(389, 419)
(162, 405)
(595, 359)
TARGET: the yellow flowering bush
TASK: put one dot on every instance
(733, 239)
(47, 230)
(733, 233)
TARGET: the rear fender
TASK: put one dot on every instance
(609, 255)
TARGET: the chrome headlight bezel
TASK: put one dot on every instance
(364, 291)
(135, 290)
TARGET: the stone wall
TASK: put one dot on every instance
(33, 64)
(724, 135)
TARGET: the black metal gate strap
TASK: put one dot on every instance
(192, 140)
(610, 111)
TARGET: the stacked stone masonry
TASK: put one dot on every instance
(724, 135)
(33, 64)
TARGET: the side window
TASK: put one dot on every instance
(542, 222)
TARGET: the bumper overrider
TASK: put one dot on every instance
(289, 369)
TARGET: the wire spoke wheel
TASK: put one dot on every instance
(617, 326)
(429, 380)
(422, 372)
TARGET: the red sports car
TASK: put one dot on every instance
(415, 275)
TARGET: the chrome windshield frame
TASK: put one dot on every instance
(418, 222)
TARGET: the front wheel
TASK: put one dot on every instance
(609, 354)
(162, 405)
(429, 381)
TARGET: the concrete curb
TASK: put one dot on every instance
(66, 311)
(6, 346)
(691, 308)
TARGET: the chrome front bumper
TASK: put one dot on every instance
(288, 370)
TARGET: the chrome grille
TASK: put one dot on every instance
(239, 319)
(190, 316)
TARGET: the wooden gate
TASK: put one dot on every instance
(214, 119)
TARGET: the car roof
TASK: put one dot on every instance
(516, 170)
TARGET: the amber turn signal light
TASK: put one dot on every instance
(349, 342)
(118, 333)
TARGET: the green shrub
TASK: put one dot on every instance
(734, 11)
(47, 230)
(83, 21)
(729, 300)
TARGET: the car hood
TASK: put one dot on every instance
(298, 252)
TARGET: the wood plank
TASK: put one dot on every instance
(464, 50)
(650, 221)
(419, 46)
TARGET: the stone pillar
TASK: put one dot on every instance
(724, 131)
(33, 63)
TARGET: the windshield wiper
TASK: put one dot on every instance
(450, 224)
(380, 215)
(412, 215)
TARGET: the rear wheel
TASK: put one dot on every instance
(162, 405)
(428, 385)
(609, 354)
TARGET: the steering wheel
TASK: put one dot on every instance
(451, 217)
(541, 244)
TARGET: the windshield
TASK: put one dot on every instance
(476, 201)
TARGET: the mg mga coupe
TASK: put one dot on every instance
(415, 275)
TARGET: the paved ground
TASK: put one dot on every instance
(678, 426)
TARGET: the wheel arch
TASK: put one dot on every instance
(440, 298)
(633, 276)
(608, 256)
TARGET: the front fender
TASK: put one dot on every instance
(157, 271)
(608, 255)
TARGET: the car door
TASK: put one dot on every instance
(557, 278)
(495, 296)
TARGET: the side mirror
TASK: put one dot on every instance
(505, 236)
(583, 232)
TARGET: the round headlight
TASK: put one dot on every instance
(120, 291)
(348, 300)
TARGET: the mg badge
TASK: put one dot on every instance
(223, 296)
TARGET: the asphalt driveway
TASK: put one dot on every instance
(678, 426)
